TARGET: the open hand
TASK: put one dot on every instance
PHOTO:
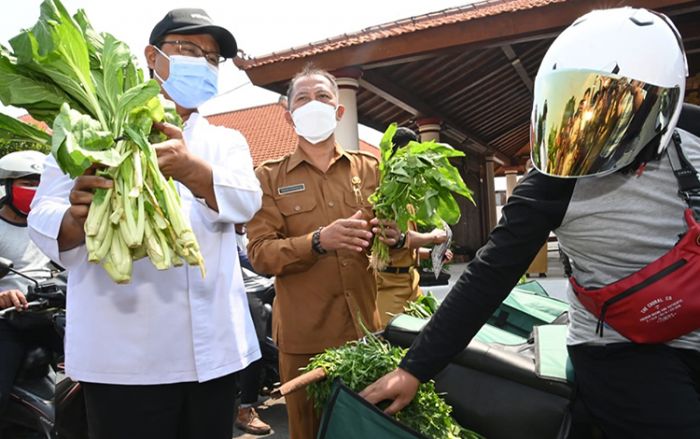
(346, 234)
(438, 236)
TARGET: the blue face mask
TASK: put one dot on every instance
(192, 81)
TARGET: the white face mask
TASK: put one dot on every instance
(315, 121)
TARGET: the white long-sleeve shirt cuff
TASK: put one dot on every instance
(45, 225)
(238, 195)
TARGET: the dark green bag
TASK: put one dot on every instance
(348, 416)
(527, 306)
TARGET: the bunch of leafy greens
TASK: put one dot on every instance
(423, 307)
(89, 89)
(416, 185)
(360, 363)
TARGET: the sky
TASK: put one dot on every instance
(259, 26)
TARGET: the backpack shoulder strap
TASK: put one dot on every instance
(687, 176)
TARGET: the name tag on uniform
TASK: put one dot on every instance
(291, 189)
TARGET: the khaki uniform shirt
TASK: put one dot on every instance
(394, 290)
(320, 298)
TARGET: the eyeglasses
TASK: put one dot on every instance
(187, 48)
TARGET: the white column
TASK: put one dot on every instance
(428, 129)
(347, 134)
(490, 191)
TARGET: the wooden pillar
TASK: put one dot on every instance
(428, 129)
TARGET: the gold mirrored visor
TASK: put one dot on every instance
(588, 123)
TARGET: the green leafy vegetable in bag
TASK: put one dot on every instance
(360, 363)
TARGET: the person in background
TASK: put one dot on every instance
(312, 234)
(19, 174)
(247, 418)
(157, 357)
(242, 246)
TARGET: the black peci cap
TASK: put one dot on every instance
(190, 21)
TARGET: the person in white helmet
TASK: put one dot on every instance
(607, 99)
(19, 174)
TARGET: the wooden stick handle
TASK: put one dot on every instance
(299, 383)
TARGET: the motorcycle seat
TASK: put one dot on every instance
(36, 364)
(504, 361)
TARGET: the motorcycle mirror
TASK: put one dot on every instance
(5, 266)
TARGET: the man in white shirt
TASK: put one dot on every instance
(157, 356)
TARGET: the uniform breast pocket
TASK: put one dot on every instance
(359, 202)
(299, 214)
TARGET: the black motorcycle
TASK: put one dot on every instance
(31, 411)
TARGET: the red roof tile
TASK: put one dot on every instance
(268, 133)
(26, 118)
(368, 147)
(459, 14)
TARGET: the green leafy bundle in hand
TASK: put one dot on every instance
(360, 363)
(416, 184)
(88, 87)
(423, 307)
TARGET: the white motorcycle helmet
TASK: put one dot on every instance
(21, 164)
(610, 86)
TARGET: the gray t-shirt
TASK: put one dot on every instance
(16, 246)
(617, 224)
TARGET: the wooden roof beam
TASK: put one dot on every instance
(399, 61)
(518, 66)
(388, 97)
(378, 84)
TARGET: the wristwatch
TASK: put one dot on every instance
(316, 242)
(400, 242)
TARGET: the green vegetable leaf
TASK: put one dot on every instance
(55, 47)
(135, 97)
(35, 92)
(386, 146)
(13, 129)
(78, 141)
(95, 41)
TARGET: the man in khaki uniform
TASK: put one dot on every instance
(312, 233)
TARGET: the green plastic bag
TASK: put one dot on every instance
(527, 306)
(348, 416)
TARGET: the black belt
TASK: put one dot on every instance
(396, 270)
